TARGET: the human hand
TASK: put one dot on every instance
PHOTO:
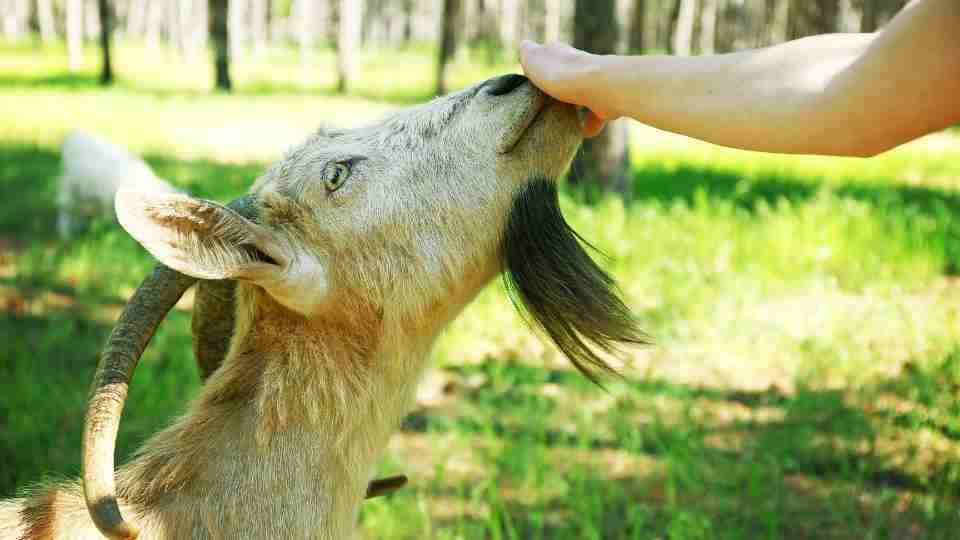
(569, 75)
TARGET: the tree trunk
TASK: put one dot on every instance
(603, 160)
(16, 18)
(348, 41)
(75, 33)
(448, 41)
(220, 38)
(775, 21)
(811, 17)
(551, 26)
(877, 12)
(175, 27)
(196, 29)
(91, 19)
(45, 21)
(509, 21)
(136, 19)
(683, 33)
(260, 13)
(106, 32)
(638, 20)
(237, 13)
(303, 11)
(708, 26)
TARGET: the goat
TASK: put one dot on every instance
(349, 257)
(93, 171)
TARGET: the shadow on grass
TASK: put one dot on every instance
(899, 204)
(812, 472)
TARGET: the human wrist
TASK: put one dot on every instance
(606, 79)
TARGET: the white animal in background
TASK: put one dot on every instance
(94, 170)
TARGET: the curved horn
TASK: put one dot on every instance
(134, 329)
(140, 318)
(155, 297)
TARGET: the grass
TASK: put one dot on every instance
(804, 381)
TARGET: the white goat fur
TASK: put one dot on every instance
(94, 170)
(332, 330)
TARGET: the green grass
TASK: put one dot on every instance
(806, 311)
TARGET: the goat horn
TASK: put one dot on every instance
(155, 297)
(140, 318)
(134, 329)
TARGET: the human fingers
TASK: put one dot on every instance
(556, 69)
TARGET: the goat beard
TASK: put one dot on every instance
(553, 280)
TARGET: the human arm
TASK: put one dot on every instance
(837, 94)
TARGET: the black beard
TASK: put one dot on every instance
(550, 276)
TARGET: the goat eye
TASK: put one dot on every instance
(336, 176)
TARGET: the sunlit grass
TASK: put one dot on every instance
(804, 310)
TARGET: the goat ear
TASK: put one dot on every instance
(200, 238)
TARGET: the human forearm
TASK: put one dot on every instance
(768, 99)
(841, 94)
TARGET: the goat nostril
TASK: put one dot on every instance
(505, 84)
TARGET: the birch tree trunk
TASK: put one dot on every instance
(509, 22)
(91, 19)
(348, 41)
(683, 34)
(775, 21)
(75, 33)
(220, 37)
(154, 22)
(303, 11)
(604, 160)
(708, 26)
(136, 18)
(260, 14)
(448, 41)
(45, 21)
(238, 27)
(175, 27)
(552, 17)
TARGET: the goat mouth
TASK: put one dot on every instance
(523, 119)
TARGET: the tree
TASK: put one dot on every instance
(348, 41)
(604, 159)
(775, 21)
(448, 41)
(220, 37)
(106, 31)
(637, 22)
(509, 23)
(15, 16)
(45, 21)
(708, 26)
(811, 17)
(682, 42)
(260, 12)
(876, 12)
(552, 17)
(238, 16)
(75, 34)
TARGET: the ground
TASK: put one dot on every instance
(802, 383)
